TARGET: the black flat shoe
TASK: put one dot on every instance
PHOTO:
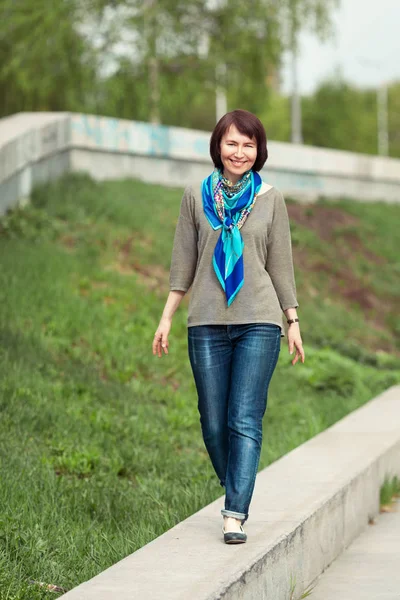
(234, 537)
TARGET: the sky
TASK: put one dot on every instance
(365, 47)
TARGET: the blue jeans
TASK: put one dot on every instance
(232, 367)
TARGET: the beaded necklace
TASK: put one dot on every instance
(223, 185)
(231, 189)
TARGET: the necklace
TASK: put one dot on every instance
(231, 189)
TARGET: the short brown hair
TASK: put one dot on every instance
(248, 124)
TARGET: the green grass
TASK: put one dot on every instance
(100, 442)
(304, 595)
(389, 490)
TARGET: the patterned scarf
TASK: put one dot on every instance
(227, 207)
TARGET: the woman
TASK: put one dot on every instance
(232, 247)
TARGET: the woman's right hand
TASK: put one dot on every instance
(160, 341)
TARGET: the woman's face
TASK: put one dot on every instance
(238, 153)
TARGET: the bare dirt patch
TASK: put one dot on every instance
(330, 224)
(357, 246)
(339, 230)
(154, 277)
(321, 219)
(68, 241)
(99, 285)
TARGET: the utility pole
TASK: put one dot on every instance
(221, 104)
(296, 129)
(382, 118)
(381, 109)
(150, 26)
(297, 135)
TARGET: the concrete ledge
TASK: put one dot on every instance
(307, 507)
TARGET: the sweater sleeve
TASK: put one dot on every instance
(279, 257)
(184, 251)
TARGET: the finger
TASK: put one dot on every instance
(164, 344)
(300, 350)
(296, 358)
(155, 344)
(291, 347)
(303, 356)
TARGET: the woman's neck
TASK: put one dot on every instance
(230, 177)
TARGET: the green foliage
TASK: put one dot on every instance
(275, 116)
(34, 225)
(45, 64)
(328, 371)
(55, 57)
(389, 490)
(340, 116)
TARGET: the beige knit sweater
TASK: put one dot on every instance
(269, 285)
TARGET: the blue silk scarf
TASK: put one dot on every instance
(228, 252)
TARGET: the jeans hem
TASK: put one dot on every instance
(235, 515)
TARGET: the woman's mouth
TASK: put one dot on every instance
(237, 163)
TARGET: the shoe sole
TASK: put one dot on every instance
(235, 542)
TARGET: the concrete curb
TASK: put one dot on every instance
(307, 507)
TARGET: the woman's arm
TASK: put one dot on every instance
(279, 264)
(280, 268)
(183, 267)
(160, 341)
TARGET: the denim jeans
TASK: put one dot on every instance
(232, 367)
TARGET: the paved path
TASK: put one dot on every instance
(370, 567)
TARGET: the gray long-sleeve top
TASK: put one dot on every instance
(269, 285)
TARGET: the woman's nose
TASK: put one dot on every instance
(239, 152)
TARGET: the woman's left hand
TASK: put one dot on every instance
(295, 342)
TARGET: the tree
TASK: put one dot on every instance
(151, 60)
(340, 116)
(228, 44)
(45, 62)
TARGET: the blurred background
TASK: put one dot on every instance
(315, 71)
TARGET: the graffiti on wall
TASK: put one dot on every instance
(118, 135)
(295, 181)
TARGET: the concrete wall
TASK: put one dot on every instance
(34, 147)
(38, 146)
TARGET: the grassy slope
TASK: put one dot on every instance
(100, 444)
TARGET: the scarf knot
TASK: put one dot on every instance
(227, 207)
(228, 224)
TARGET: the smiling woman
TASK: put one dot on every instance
(232, 248)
